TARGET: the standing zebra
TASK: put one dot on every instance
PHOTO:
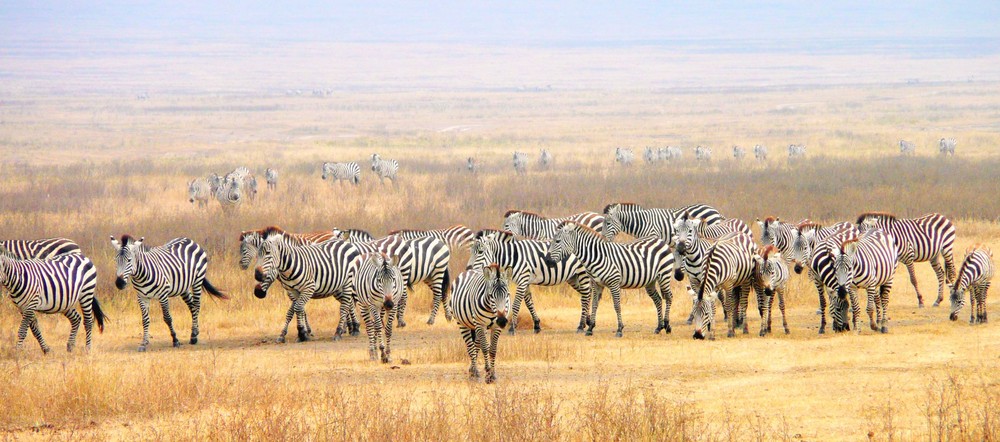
(229, 194)
(471, 166)
(779, 234)
(378, 290)
(822, 270)
(624, 156)
(545, 159)
(867, 262)
(771, 274)
(805, 237)
(642, 263)
(251, 185)
(760, 152)
(526, 259)
(200, 191)
(384, 168)
(520, 162)
(251, 240)
(796, 151)
(482, 299)
(458, 237)
(907, 148)
(38, 248)
(271, 176)
(739, 153)
(637, 221)
(702, 153)
(918, 240)
(729, 271)
(946, 146)
(53, 285)
(350, 172)
(669, 153)
(176, 268)
(651, 156)
(692, 239)
(534, 226)
(975, 276)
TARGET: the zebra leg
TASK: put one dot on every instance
(939, 272)
(744, 304)
(668, 300)
(913, 281)
(616, 296)
(491, 361)
(529, 300)
(781, 305)
(367, 313)
(657, 302)
(387, 351)
(301, 319)
(37, 331)
(872, 300)
(401, 309)
(732, 305)
(855, 311)
(469, 336)
(484, 347)
(144, 308)
(822, 312)
(437, 287)
(165, 306)
(593, 307)
(764, 307)
(819, 288)
(74, 327)
(884, 300)
(983, 289)
(584, 301)
(515, 307)
(288, 320)
(22, 331)
(87, 305)
(193, 301)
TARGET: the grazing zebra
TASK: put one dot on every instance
(526, 259)
(53, 285)
(251, 240)
(350, 172)
(760, 152)
(176, 268)
(729, 271)
(805, 237)
(545, 159)
(535, 226)
(918, 240)
(867, 262)
(692, 238)
(946, 146)
(823, 272)
(38, 248)
(907, 148)
(271, 176)
(771, 274)
(975, 275)
(353, 235)
(650, 156)
(229, 194)
(308, 271)
(642, 263)
(481, 300)
(458, 237)
(702, 153)
(624, 156)
(471, 166)
(378, 290)
(520, 162)
(796, 151)
(384, 168)
(739, 153)
(200, 191)
(634, 220)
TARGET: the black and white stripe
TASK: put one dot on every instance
(230, 194)
(975, 275)
(378, 290)
(760, 152)
(946, 146)
(823, 271)
(458, 237)
(692, 239)
(471, 166)
(866, 263)
(907, 148)
(702, 153)
(729, 271)
(251, 240)
(805, 238)
(38, 248)
(669, 153)
(520, 162)
(624, 156)
(353, 235)
(271, 176)
(770, 279)
(780, 234)
(534, 226)
(199, 191)
(384, 168)
(350, 172)
(634, 220)
(481, 300)
(796, 151)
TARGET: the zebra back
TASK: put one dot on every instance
(251, 240)
(38, 248)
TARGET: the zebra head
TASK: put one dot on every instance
(958, 298)
(843, 261)
(703, 313)
(327, 170)
(375, 160)
(268, 257)
(801, 251)
(484, 248)
(193, 190)
(612, 221)
(498, 292)
(767, 230)
(386, 279)
(125, 259)
(564, 244)
(684, 239)
(513, 222)
(250, 242)
(766, 270)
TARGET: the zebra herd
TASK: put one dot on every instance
(946, 147)
(545, 160)
(625, 156)
(230, 190)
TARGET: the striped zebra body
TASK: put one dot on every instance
(770, 279)
(350, 172)
(384, 168)
(534, 226)
(214, 181)
(729, 271)
(230, 194)
(824, 274)
(669, 153)
(38, 248)
(975, 276)
(545, 159)
(481, 300)
(796, 151)
(520, 163)
(624, 156)
(946, 146)
(918, 240)
(650, 155)
(760, 152)
(378, 290)
(805, 237)
(868, 263)
(309, 271)
(471, 166)
(644, 263)
(779, 234)
(458, 237)
(692, 240)
(703, 153)
(53, 285)
(271, 176)
(526, 259)
(353, 235)
(907, 148)
(739, 153)
(251, 240)
(251, 187)
(634, 220)
(200, 191)
(176, 268)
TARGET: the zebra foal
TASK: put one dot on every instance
(975, 276)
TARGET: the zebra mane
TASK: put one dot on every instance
(401, 231)
(808, 225)
(524, 213)
(978, 246)
(768, 250)
(127, 239)
(246, 233)
(485, 232)
(622, 204)
(846, 242)
(580, 227)
(270, 231)
(770, 220)
(883, 215)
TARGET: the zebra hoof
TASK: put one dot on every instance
(589, 332)
(46, 350)
(937, 303)
(580, 329)
(763, 333)
(510, 331)
(401, 324)
(822, 331)
(819, 311)
(787, 331)
(538, 326)
(618, 334)
(884, 329)
(430, 321)
(667, 329)
(355, 332)
(474, 373)
(194, 340)
(491, 378)
(177, 344)
(69, 348)
(337, 337)
(658, 329)
(141, 349)
(280, 340)
(385, 358)
(731, 334)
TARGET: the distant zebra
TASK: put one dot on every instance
(702, 153)
(650, 156)
(867, 262)
(624, 156)
(308, 271)
(458, 237)
(739, 153)
(215, 181)
(669, 153)
(760, 152)
(805, 238)
(637, 221)
(918, 240)
(535, 226)
(975, 276)
(239, 174)
(271, 176)
(526, 259)
(771, 278)
(378, 290)
(38, 248)
(907, 148)
(251, 240)
(471, 166)
(200, 191)
(796, 151)
(53, 285)
(823, 272)
(481, 300)
(642, 263)
(251, 186)
(520, 163)
(729, 270)
(545, 159)
(692, 239)
(384, 168)
(946, 146)
(230, 195)
(176, 268)
(350, 172)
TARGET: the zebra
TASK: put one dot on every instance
(760, 152)
(823, 272)
(176, 268)
(215, 181)
(975, 275)
(38, 248)
(251, 185)
(907, 148)
(729, 271)
(642, 263)
(520, 162)
(867, 262)
(471, 166)
(200, 191)
(481, 300)
(271, 176)
(526, 259)
(918, 240)
(353, 235)
(384, 168)
(251, 240)
(805, 237)
(53, 285)
(796, 151)
(771, 278)
(633, 219)
(739, 153)
(378, 290)
(308, 271)
(703, 153)
(350, 172)
(458, 237)
(545, 159)
(651, 156)
(668, 153)
(240, 174)
(624, 156)
(946, 146)
(535, 226)
(229, 194)
(779, 234)
(692, 238)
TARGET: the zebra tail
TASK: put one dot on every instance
(214, 291)
(446, 285)
(99, 315)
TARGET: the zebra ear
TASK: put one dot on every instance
(394, 260)
(761, 223)
(141, 239)
(850, 248)
(114, 242)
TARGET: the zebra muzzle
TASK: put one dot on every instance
(388, 304)
(798, 268)
(259, 291)
(502, 319)
(953, 316)
(120, 283)
(678, 275)
(258, 275)
(842, 292)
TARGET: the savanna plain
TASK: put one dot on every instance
(91, 151)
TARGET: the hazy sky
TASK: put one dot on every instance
(532, 22)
